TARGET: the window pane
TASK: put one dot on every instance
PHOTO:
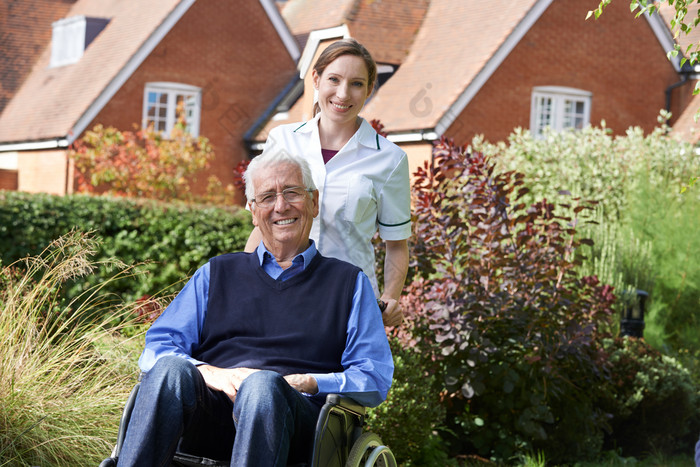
(544, 114)
(573, 114)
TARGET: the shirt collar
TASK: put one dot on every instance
(304, 257)
(366, 135)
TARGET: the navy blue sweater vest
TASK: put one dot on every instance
(293, 326)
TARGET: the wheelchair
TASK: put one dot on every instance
(339, 440)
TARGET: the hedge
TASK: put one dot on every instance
(167, 241)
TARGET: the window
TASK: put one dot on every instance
(163, 101)
(559, 108)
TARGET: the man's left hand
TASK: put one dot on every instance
(303, 383)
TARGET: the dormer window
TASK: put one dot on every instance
(71, 36)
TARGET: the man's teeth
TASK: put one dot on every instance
(284, 222)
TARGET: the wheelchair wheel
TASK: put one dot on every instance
(368, 451)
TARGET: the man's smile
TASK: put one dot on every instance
(285, 221)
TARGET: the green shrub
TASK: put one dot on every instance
(501, 307)
(172, 240)
(648, 214)
(407, 421)
(669, 222)
(653, 402)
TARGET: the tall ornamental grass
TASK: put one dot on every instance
(64, 376)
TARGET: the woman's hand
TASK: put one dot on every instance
(395, 269)
(393, 313)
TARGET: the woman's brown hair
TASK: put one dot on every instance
(346, 47)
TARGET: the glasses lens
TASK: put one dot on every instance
(293, 195)
(266, 199)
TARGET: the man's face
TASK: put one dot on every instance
(284, 226)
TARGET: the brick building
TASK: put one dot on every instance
(466, 67)
(458, 68)
(127, 62)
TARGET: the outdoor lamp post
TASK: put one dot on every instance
(632, 322)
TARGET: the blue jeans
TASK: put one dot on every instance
(269, 425)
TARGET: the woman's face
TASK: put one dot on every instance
(343, 88)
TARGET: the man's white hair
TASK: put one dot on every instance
(272, 157)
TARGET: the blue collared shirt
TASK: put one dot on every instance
(367, 362)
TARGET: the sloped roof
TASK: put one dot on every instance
(25, 29)
(386, 27)
(457, 40)
(303, 16)
(61, 95)
(684, 39)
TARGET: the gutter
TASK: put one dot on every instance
(413, 136)
(35, 145)
(688, 72)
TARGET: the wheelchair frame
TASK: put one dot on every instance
(339, 440)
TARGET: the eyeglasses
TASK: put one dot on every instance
(291, 195)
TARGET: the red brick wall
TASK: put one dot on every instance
(8, 179)
(616, 57)
(229, 49)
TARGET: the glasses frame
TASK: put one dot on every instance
(277, 193)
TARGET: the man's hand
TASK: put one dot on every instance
(303, 383)
(227, 380)
(393, 313)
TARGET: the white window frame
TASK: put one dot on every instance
(558, 118)
(171, 91)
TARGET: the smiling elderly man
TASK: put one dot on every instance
(240, 362)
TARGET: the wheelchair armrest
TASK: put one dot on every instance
(346, 403)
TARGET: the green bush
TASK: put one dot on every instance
(653, 403)
(172, 240)
(648, 215)
(407, 421)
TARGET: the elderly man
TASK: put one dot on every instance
(240, 362)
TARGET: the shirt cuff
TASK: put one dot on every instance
(327, 383)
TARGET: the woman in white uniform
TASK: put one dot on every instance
(362, 177)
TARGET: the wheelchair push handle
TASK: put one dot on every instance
(382, 305)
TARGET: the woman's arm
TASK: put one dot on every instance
(395, 269)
